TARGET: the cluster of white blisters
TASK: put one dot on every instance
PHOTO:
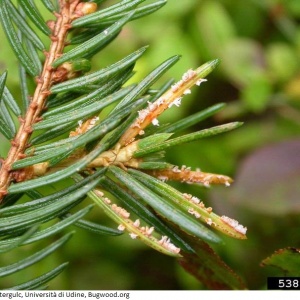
(200, 81)
(234, 224)
(145, 230)
(190, 197)
(165, 242)
(93, 122)
(155, 122)
(209, 221)
(82, 128)
(120, 211)
(148, 231)
(194, 177)
(200, 204)
(191, 177)
(176, 102)
(190, 74)
(194, 213)
(231, 222)
(175, 169)
(193, 199)
(123, 213)
(144, 113)
(163, 178)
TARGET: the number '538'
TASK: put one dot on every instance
(288, 283)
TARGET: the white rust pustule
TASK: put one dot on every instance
(234, 224)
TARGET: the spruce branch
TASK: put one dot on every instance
(67, 12)
(121, 153)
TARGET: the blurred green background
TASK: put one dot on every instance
(258, 42)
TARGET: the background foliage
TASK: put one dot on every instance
(258, 43)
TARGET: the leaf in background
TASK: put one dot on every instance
(215, 27)
(209, 268)
(287, 260)
(281, 58)
(256, 95)
(268, 180)
(249, 61)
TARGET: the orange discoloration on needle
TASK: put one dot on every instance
(171, 97)
(184, 174)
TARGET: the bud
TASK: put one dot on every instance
(84, 8)
(88, 7)
(70, 70)
(82, 65)
(51, 24)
